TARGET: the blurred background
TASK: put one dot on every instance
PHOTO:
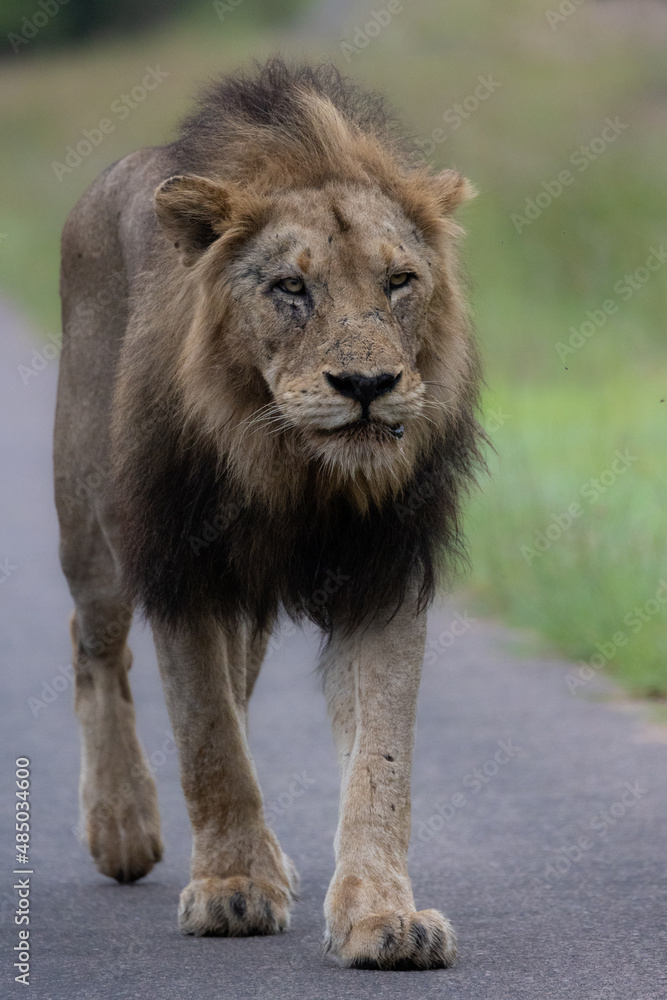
(557, 110)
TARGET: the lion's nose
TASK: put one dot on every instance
(362, 387)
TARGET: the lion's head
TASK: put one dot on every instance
(328, 326)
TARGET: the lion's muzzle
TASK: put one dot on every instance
(363, 388)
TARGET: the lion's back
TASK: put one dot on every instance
(105, 243)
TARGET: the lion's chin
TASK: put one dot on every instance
(365, 460)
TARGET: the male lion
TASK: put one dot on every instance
(281, 390)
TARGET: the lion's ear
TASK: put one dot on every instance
(193, 213)
(452, 190)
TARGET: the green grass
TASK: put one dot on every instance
(568, 538)
(568, 412)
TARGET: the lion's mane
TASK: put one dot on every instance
(196, 539)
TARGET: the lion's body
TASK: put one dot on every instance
(213, 388)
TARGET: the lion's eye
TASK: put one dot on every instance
(293, 286)
(400, 279)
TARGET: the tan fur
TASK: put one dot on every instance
(198, 329)
(371, 688)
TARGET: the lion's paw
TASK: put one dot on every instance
(234, 907)
(396, 940)
(124, 838)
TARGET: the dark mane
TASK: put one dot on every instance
(204, 550)
(246, 116)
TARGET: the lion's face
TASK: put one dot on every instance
(334, 291)
(325, 294)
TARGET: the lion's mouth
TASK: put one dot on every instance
(365, 429)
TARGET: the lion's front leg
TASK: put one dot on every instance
(242, 883)
(371, 683)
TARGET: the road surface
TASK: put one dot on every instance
(539, 815)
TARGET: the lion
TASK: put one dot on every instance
(283, 389)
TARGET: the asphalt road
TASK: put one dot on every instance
(549, 856)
